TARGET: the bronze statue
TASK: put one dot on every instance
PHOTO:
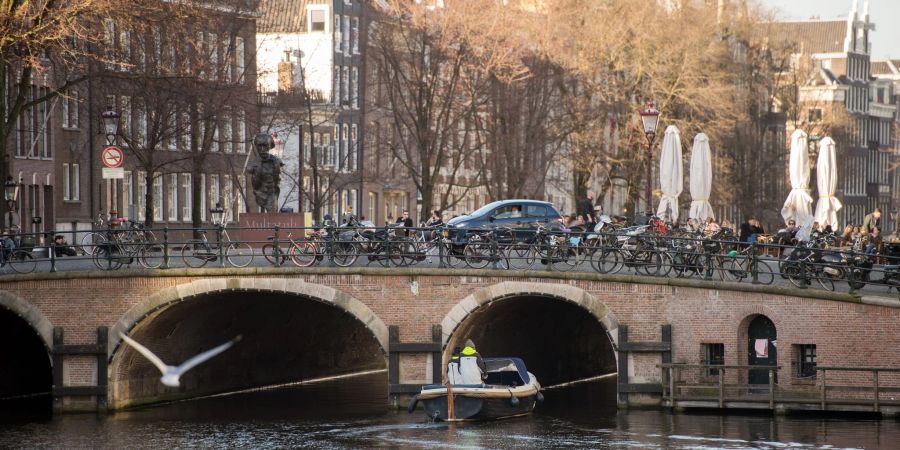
(265, 175)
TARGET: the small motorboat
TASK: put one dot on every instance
(510, 390)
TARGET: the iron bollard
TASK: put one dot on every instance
(219, 228)
(754, 270)
(276, 252)
(52, 253)
(165, 263)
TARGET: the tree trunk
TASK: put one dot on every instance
(148, 200)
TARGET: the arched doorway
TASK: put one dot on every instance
(762, 348)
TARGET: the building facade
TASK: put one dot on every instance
(838, 96)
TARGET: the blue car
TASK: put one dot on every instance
(522, 216)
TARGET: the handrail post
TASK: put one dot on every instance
(165, 261)
(51, 251)
(220, 247)
(548, 249)
(388, 244)
(721, 388)
(824, 388)
(771, 388)
(804, 281)
(277, 250)
(754, 268)
(875, 386)
(440, 244)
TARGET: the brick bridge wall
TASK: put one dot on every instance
(847, 330)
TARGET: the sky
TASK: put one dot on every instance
(885, 14)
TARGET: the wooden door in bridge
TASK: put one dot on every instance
(762, 348)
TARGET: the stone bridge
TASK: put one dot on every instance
(62, 329)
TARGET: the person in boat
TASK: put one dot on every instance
(471, 365)
(453, 374)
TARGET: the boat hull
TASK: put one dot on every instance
(475, 408)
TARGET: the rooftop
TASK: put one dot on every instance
(818, 36)
(284, 16)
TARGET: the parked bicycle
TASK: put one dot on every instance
(198, 252)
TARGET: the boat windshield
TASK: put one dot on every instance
(506, 371)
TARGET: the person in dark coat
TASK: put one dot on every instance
(586, 210)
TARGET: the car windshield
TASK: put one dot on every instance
(485, 209)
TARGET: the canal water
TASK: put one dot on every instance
(350, 413)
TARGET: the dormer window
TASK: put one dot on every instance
(316, 18)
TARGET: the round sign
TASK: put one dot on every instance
(112, 157)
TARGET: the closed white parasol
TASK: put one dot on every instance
(671, 175)
(826, 179)
(701, 179)
(799, 203)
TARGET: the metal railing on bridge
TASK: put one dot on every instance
(636, 251)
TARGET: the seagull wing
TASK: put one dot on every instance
(196, 360)
(147, 353)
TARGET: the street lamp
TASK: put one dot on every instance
(650, 120)
(11, 194)
(217, 213)
(110, 119)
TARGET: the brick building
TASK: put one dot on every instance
(186, 99)
(838, 96)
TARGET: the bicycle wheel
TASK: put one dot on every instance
(648, 262)
(666, 264)
(268, 251)
(197, 253)
(477, 255)
(107, 257)
(90, 241)
(239, 254)
(792, 273)
(764, 273)
(564, 258)
(345, 253)
(21, 261)
(149, 258)
(304, 253)
(825, 281)
(521, 255)
(607, 261)
(734, 268)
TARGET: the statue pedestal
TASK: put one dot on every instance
(257, 227)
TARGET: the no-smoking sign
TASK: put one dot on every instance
(112, 157)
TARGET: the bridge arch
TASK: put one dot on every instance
(293, 331)
(563, 332)
(295, 287)
(508, 289)
(30, 314)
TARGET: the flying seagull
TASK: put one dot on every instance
(171, 374)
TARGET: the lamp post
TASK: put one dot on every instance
(110, 120)
(650, 120)
(217, 213)
(11, 194)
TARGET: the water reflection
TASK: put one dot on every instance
(351, 414)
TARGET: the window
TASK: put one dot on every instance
(352, 152)
(316, 20)
(345, 86)
(226, 134)
(172, 197)
(713, 354)
(186, 197)
(66, 192)
(142, 195)
(184, 132)
(354, 81)
(70, 109)
(343, 162)
(214, 190)
(76, 181)
(202, 197)
(157, 197)
(815, 115)
(337, 33)
(240, 59)
(508, 212)
(373, 201)
(355, 35)
(128, 195)
(536, 211)
(345, 35)
(239, 205)
(228, 198)
(241, 132)
(336, 86)
(806, 360)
